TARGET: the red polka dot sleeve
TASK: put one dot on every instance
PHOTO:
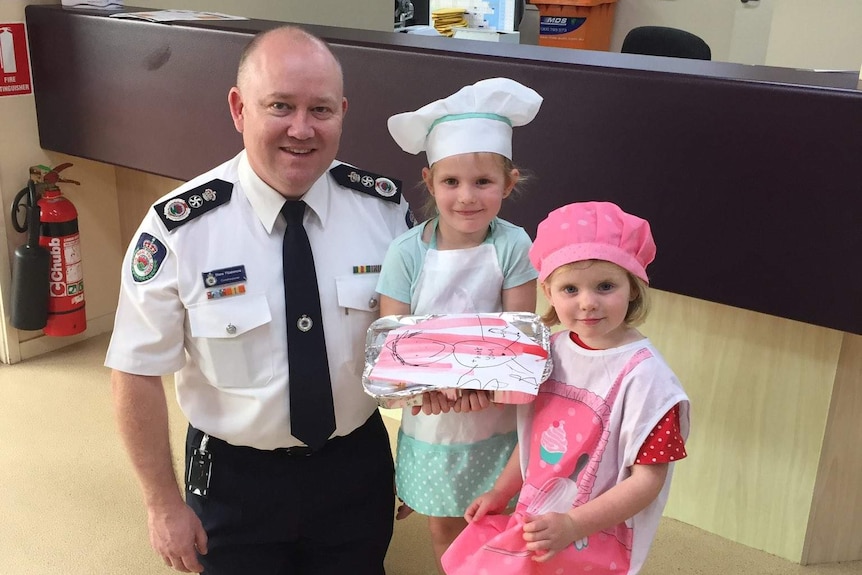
(665, 443)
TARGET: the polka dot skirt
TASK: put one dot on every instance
(442, 480)
(665, 443)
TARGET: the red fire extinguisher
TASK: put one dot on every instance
(58, 235)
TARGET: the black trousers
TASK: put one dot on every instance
(274, 513)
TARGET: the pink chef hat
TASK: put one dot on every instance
(592, 231)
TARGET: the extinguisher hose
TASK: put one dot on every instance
(34, 215)
(16, 209)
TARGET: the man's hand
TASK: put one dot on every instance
(177, 535)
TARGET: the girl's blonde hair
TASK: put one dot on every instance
(638, 309)
(429, 207)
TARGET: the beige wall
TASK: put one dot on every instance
(815, 34)
(19, 148)
(818, 34)
(96, 200)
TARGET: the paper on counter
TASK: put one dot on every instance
(176, 16)
(99, 4)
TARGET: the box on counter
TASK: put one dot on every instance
(484, 14)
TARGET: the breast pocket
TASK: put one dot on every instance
(360, 305)
(358, 293)
(232, 340)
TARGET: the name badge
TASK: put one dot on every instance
(224, 276)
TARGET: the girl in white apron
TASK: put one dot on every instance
(598, 444)
(463, 260)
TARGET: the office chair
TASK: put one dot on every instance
(663, 41)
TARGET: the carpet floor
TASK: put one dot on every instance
(71, 504)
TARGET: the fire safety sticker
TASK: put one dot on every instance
(14, 60)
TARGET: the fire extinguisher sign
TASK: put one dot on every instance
(14, 60)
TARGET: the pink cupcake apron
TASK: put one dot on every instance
(570, 428)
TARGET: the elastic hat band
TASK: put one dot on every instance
(470, 116)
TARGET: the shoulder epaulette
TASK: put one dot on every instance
(190, 204)
(388, 189)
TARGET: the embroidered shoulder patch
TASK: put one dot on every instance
(190, 204)
(388, 189)
(147, 258)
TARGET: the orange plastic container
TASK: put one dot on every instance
(580, 24)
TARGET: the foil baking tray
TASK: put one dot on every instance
(506, 354)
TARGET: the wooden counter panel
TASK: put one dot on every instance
(836, 509)
(763, 415)
(760, 388)
(136, 192)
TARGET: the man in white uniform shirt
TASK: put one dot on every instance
(203, 296)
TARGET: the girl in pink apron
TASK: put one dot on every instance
(598, 444)
(463, 260)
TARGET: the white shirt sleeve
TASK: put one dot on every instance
(149, 325)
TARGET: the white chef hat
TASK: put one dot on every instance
(477, 118)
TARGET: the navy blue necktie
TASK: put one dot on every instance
(312, 416)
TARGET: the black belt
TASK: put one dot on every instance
(302, 450)
(296, 450)
(305, 451)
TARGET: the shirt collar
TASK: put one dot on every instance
(267, 202)
(436, 221)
